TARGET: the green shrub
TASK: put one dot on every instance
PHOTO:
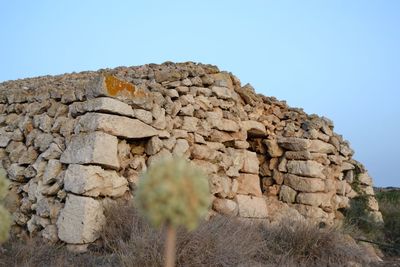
(359, 216)
(389, 204)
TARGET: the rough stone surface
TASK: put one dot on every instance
(252, 207)
(294, 144)
(115, 125)
(225, 206)
(81, 220)
(75, 137)
(287, 194)
(249, 184)
(102, 105)
(92, 148)
(94, 181)
(305, 168)
(304, 184)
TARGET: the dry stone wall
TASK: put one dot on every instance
(73, 143)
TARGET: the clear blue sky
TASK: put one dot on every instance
(335, 58)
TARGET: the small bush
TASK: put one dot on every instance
(5, 218)
(358, 216)
(389, 204)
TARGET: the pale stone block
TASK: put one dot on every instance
(94, 181)
(101, 104)
(81, 220)
(252, 207)
(115, 125)
(92, 148)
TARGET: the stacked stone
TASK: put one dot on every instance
(71, 143)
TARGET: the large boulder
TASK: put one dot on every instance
(81, 220)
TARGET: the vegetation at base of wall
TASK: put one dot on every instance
(5, 218)
(389, 205)
(359, 216)
(128, 240)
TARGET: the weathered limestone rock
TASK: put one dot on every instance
(274, 149)
(115, 125)
(53, 168)
(305, 168)
(5, 137)
(287, 194)
(312, 213)
(314, 199)
(319, 146)
(252, 207)
(94, 181)
(225, 206)
(340, 202)
(249, 184)
(304, 184)
(223, 92)
(298, 155)
(220, 185)
(102, 105)
(365, 179)
(92, 148)
(250, 162)
(180, 148)
(190, 124)
(163, 154)
(113, 87)
(294, 143)
(16, 172)
(143, 115)
(81, 220)
(154, 145)
(254, 128)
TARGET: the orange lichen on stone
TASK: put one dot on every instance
(116, 87)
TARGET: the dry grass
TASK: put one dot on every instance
(128, 240)
(36, 253)
(305, 244)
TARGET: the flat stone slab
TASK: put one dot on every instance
(252, 207)
(304, 184)
(321, 147)
(94, 181)
(92, 148)
(294, 143)
(307, 168)
(115, 125)
(101, 104)
(81, 220)
(254, 128)
(249, 184)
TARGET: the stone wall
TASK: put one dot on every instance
(73, 143)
